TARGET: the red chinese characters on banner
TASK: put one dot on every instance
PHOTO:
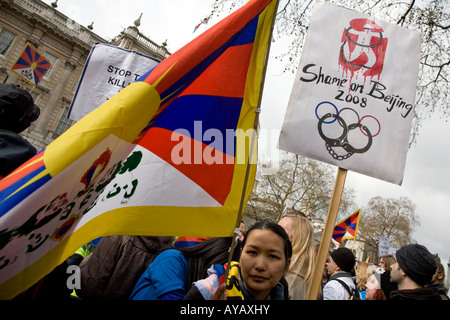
(363, 48)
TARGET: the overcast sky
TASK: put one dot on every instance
(427, 175)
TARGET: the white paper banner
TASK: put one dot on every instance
(108, 70)
(353, 96)
(383, 246)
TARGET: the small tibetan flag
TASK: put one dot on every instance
(204, 21)
(31, 65)
(347, 228)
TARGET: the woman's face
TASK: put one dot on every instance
(382, 264)
(371, 287)
(263, 262)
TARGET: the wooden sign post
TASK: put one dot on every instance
(316, 280)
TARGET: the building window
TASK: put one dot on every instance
(53, 60)
(63, 124)
(6, 38)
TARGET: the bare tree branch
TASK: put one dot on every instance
(402, 19)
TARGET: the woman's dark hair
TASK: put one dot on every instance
(203, 255)
(275, 228)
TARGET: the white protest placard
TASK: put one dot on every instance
(383, 246)
(108, 70)
(353, 96)
(392, 251)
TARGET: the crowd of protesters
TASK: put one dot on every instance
(270, 261)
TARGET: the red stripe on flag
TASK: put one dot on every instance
(21, 172)
(214, 178)
(182, 61)
(26, 57)
(226, 76)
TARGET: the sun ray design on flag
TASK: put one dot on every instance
(347, 228)
(31, 65)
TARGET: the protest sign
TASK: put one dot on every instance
(383, 246)
(353, 96)
(352, 102)
(108, 70)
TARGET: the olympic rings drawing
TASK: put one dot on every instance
(331, 115)
(378, 122)
(335, 108)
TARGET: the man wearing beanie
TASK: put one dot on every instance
(340, 266)
(415, 267)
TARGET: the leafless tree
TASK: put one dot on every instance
(395, 219)
(299, 183)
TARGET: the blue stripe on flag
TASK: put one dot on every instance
(15, 199)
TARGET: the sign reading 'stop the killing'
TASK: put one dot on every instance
(353, 96)
(108, 70)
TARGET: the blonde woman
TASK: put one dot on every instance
(363, 271)
(301, 235)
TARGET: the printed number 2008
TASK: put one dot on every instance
(349, 98)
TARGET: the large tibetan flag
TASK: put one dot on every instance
(31, 65)
(347, 228)
(168, 155)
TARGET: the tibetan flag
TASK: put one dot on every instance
(170, 154)
(347, 228)
(31, 65)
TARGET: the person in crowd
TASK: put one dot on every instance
(301, 235)
(363, 271)
(437, 281)
(341, 268)
(379, 285)
(117, 262)
(17, 112)
(386, 261)
(173, 271)
(415, 267)
(258, 275)
(53, 286)
(325, 278)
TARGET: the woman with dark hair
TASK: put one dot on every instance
(259, 274)
(173, 271)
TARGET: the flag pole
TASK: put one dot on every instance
(333, 209)
(252, 144)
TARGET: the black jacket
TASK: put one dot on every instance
(416, 294)
(14, 151)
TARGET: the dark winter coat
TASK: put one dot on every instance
(14, 151)
(116, 264)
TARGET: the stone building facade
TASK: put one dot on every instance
(67, 44)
